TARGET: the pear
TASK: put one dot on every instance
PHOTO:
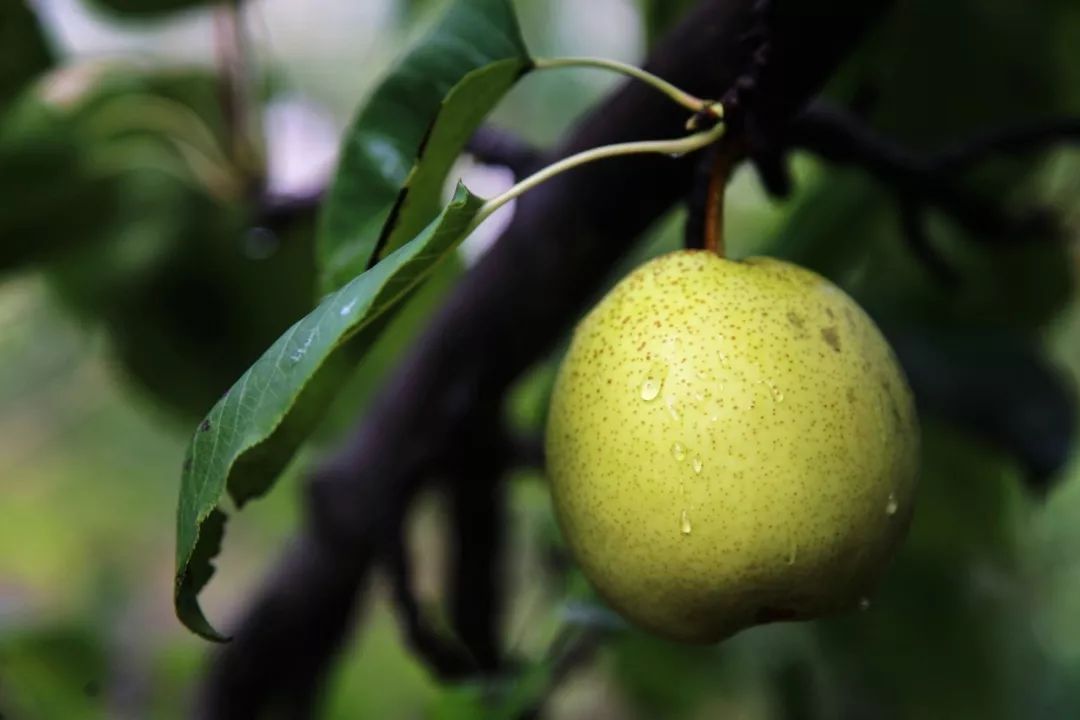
(730, 443)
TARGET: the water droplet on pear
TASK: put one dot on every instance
(892, 505)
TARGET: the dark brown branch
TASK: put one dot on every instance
(526, 452)
(509, 310)
(571, 649)
(913, 224)
(446, 657)
(1008, 141)
(705, 222)
(279, 211)
(773, 172)
(842, 138)
(477, 509)
(299, 619)
(492, 146)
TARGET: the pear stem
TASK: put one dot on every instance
(675, 148)
(688, 101)
(714, 203)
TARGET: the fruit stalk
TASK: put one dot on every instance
(680, 96)
(719, 176)
(674, 148)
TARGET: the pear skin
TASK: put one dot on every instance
(730, 443)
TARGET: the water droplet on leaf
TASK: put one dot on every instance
(678, 451)
(684, 523)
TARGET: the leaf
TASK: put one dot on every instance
(55, 668)
(25, 54)
(401, 146)
(144, 250)
(253, 431)
(106, 155)
(44, 166)
(413, 9)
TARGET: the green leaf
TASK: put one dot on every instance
(144, 249)
(44, 166)
(253, 431)
(401, 146)
(25, 53)
(103, 155)
(55, 668)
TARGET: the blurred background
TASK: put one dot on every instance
(138, 280)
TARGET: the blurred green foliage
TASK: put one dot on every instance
(26, 52)
(139, 280)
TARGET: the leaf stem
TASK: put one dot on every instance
(675, 148)
(688, 101)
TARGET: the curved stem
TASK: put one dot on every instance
(675, 148)
(688, 101)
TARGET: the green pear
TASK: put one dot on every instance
(730, 443)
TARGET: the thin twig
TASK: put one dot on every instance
(444, 655)
(572, 648)
(913, 224)
(526, 452)
(843, 138)
(1011, 140)
(237, 97)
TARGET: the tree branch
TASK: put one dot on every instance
(445, 657)
(571, 649)
(477, 506)
(1013, 140)
(510, 309)
(929, 180)
(492, 146)
(913, 224)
